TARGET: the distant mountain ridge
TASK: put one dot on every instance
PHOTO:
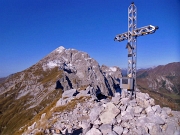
(163, 80)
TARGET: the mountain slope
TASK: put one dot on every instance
(25, 94)
(162, 81)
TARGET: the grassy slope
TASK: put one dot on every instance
(49, 110)
(14, 113)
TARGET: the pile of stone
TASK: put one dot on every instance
(114, 116)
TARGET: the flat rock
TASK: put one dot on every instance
(156, 108)
(156, 130)
(118, 118)
(110, 112)
(156, 119)
(83, 93)
(105, 128)
(69, 93)
(93, 131)
(127, 115)
(124, 101)
(167, 110)
(115, 100)
(95, 112)
(151, 101)
(118, 129)
(112, 133)
(138, 109)
(170, 129)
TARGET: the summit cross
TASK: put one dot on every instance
(131, 35)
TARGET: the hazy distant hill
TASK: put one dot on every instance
(162, 82)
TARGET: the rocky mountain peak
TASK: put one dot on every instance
(60, 49)
(36, 87)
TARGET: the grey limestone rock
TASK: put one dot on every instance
(112, 133)
(138, 109)
(167, 110)
(115, 100)
(95, 112)
(156, 119)
(69, 93)
(93, 131)
(110, 112)
(125, 131)
(81, 70)
(105, 128)
(156, 108)
(118, 129)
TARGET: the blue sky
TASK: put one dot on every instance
(31, 29)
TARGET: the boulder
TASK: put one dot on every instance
(112, 133)
(141, 130)
(141, 121)
(127, 115)
(32, 126)
(156, 108)
(125, 124)
(105, 128)
(118, 118)
(83, 93)
(155, 119)
(84, 124)
(124, 101)
(95, 112)
(151, 101)
(149, 110)
(124, 93)
(156, 130)
(167, 110)
(110, 112)
(93, 131)
(133, 103)
(115, 100)
(125, 131)
(69, 93)
(123, 107)
(118, 129)
(170, 128)
(138, 109)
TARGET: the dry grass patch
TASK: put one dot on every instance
(71, 105)
(50, 109)
(170, 115)
(39, 133)
(83, 87)
(44, 107)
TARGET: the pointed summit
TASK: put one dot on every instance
(60, 49)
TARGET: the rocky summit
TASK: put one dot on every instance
(80, 114)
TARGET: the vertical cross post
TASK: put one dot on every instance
(129, 82)
(132, 59)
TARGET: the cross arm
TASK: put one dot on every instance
(150, 29)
